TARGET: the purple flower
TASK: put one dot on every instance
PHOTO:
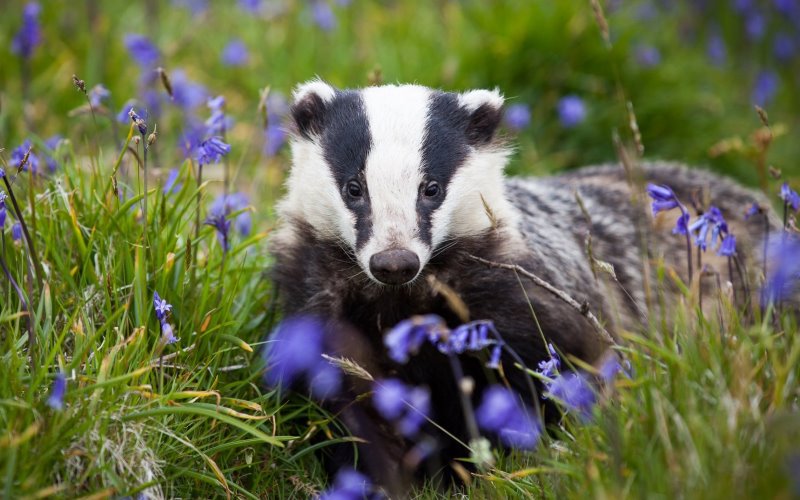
(348, 485)
(784, 269)
(647, 56)
(218, 123)
(18, 155)
(574, 391)
(550, 367)
(29, 35)
(681, 224)
(3, 197)
(186, 93)
(502, 413)
(663, 198)
(404, 405)
(97, 95)
(138, 120)
(235, 53)
(784, 47)
(754, 209)
(171, 185)
(518, 116)
(765, 88)
(295, 351)
(407, 337)
(235, 202)
(57, 392)
(494, 359)
(124, 113)
(223, 226)
(571, 111)
(755, 25)
(728, 246)
(251, 6)
(161, 307)
(212, 150)
(323, 15)
(472, 336)
(142, 50)
(197, 7)
(788, 7)
(790, 197)
(716, 50)
(52, 144)
(275, 133)
(16, 231)
(713, 221)
(167, 334)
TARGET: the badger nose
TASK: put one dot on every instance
(394, 267)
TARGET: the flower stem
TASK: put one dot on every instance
(33, 255)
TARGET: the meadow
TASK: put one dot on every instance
(135, 297)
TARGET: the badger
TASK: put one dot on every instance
(396, 188)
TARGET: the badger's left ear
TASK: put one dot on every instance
(485, 108)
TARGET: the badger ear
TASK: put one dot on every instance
(485, 108)
(308, 109)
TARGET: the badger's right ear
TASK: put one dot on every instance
(311, 100)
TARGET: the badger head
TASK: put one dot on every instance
(395, 173)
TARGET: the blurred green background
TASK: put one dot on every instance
(692, 70)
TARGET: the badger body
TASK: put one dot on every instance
(393, 185)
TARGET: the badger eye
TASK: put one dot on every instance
(432, 189)
(354, 189)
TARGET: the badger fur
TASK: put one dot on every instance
(393, 184)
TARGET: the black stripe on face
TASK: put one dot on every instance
(346, 143)
(444, 149)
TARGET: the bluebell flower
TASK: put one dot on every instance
(407, 337)
(787, 7)
(742, 6)
(502, 413)
(124, 112)
(167, 334)
(231, 203)
(3, 212)
(138, 121)
(571, 111)
(251, 6)
(790, 196)
(57, 392)
(52, 144)
(663, 198)
(647, 56)
(406, 406)
(29, 35)
(18, 156)
(323, 15)
(171, 184)
(728, 246)
(212, 150)
(550, 368)
(16, 231)
(275, 133)
(783, 280)
(681, 224)
(196, 7)
(191, 137)
(223, 226)
(142, 50)
(472, 336)
(754, 209)
(755, 25)
(494, 358)
(152, 100)
(574, 391)
(235, 53)
(716, 50)
(98, 94)
(518, 116)
(218, 122)
(186, 93)
(610, 368)
(161, 307)
(713, 221)
(295, 351)
(784, 47)
(348, 485)
(765, 87)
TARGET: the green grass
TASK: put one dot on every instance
(711, 411)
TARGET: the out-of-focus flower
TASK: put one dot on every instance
(170, 184)
(348, 485)
(223, 227)
(712, 220)
(404, 405)
(3, 211)
(502, 413)
(97, 95)
(681, 224)
(407, 337)
(574, 391)
(141, 50)
(29, 35)
(234, 202)
(16, 231)
(728, 246)
(294, 351)
(218, 122)
(186, 93)
(124, 113)
(663, 198)
(52, 144)
(784, 47)
(716, 49)
(783, 280)
(571, 111)
(235, 53)
(550, 367)
(57, 392)
(275, 133)
(755, 25)
(167, 334)
(647, 56)
(196, 7)
(323, 15)
(212, 150)
(251, 6)
(754, 209)
(790, 196)
(18, 157)
(765, 88)
(518, 116)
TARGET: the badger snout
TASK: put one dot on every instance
(394, 267)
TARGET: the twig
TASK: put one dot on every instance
(583, 309)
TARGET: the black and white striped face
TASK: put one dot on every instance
(394, 172)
